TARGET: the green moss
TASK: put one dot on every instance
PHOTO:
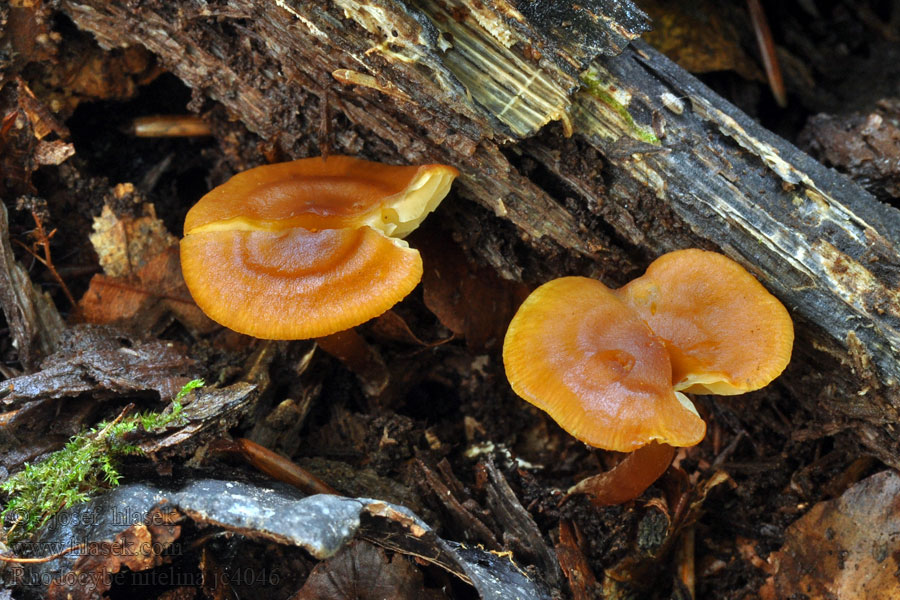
(81, 469)
(597, 89)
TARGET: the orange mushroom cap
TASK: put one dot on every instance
(307, 248)
(725, 333)
(576, 351)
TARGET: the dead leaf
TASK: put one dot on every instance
(43, 121)
(53, 153)
(357, 355)
(141, 542)
(125, 244)
(866, 146)
(469, 300)
(390, 326)
(141, 301)
(143, 281)
(844, 548)
(83, 71)
(362, 571)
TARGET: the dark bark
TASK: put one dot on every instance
(656, 161)
(34, 324)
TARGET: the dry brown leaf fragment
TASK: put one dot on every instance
(866, 146)
(142, 281)
(392, 327)
(843, 548)
(362, 571)
(124, 244)
(53, 153)
(43, 121)
(141, 301)
(141, 546)
(356, 354)
(83, 71)
(470, 300)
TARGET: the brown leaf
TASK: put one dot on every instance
(124, 243)
(866, 146)
(43, 121)
(141, 301)
(357, 355)
(83, 71)
(392, 327)
(362, 571)
(53, 153)
(143, 280)
(843, 548)
(139, 547)
(470, 300)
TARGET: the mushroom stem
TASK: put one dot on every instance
(628, 479)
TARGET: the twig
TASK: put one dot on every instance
(43, 559)
(276, 466)
(42, 240)
(767, 50)
(103, 432)
(325, 125)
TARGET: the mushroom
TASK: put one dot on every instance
(610, 366)
(725, 333)
(308, 248)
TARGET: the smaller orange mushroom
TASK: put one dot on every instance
(308, 248)
(576, 351)
(610, 366)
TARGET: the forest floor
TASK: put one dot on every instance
(420, 414)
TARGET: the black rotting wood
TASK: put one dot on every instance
(321, 524)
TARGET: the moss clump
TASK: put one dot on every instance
(596, 87)
(81, 469)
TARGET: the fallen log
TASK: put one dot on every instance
(580, 152)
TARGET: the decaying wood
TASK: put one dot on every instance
(520, 532)
(34, 323)
(655, 160)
